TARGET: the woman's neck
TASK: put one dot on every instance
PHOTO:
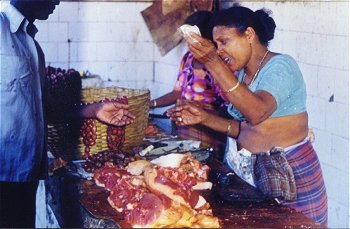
(257, 61)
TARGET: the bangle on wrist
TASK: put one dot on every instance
(239, 130)
(229, 126)
(233, 88)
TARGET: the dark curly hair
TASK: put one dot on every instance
(202, 19)
(241, 18)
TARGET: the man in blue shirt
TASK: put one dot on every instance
(22, 136)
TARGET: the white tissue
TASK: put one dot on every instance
(187, 29)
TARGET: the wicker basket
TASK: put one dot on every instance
(64, 140)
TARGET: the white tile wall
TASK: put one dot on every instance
(325, 80)
(317, 109)
(341, 83)
(334, 187)
(323, 139)
(340, 144)
(337, 214)
(337, 115)
(112, 40)
(312, 80)
(106, 38)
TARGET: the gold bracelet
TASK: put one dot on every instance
(233, 88)
(228, 128)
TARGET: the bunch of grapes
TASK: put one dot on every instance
(115, 137)
(88, 132)
(63, 88)
(116, 134)
(96, 161)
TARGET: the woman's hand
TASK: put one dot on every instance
(187, 113)
(202, 49)
(114, 113)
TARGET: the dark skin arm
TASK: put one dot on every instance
(166, 100)
(110, 113)
(256, 107)
(260, 133)
(187, 113)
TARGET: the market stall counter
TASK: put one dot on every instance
(77, 201)
(80, 203)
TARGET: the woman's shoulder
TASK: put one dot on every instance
(281, 57)
(279, 60)
(186, 60)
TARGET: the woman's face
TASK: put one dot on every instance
(233, 48)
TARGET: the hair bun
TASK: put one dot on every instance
(265, 25)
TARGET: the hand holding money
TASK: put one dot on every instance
(186, 30)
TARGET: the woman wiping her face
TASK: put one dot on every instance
(267, 96)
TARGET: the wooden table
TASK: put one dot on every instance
(80, 203)
(267, 214)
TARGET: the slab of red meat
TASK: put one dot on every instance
(108, 176)
(127, 193)
(146, 212)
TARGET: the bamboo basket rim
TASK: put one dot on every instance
(115, 87)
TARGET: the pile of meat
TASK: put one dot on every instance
(159, 194)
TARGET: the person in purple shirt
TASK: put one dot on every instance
(195, 83)
(23, 150)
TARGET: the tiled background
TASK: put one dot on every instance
(112, 40)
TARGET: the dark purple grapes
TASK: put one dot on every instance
(96, 161)
(63, 89)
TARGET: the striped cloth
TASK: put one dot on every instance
(311, 190)
(273, 175)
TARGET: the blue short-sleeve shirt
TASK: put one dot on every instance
(22, 72)
(282, 78)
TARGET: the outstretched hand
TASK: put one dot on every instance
(187, 113)
(114, 113)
